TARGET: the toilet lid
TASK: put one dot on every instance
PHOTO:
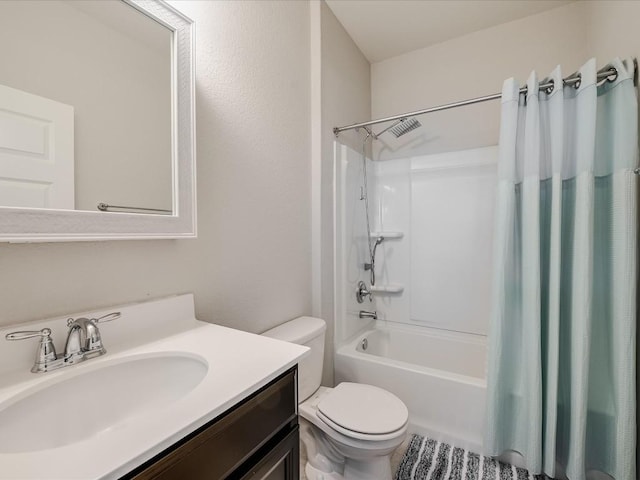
(364, 409)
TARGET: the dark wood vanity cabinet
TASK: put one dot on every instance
(255, 440)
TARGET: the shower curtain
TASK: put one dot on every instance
(561, 380)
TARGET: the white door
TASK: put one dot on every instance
(36, 151)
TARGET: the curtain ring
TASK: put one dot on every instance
(576, 85)
(614, 75)
(550, 88)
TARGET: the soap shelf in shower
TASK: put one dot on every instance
(388, 289)
(387, 235)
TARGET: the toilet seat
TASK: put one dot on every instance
(363, 411)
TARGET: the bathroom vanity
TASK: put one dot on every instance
(257, 439)
(173, 398)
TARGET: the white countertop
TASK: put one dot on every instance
(239, 363)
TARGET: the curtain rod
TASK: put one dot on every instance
(572, 80)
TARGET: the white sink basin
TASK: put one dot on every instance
(69, 409)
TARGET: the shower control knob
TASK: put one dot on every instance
(362, 292)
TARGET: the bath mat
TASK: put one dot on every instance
(428, 459)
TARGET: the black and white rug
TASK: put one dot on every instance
(428, 459)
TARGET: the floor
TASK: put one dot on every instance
(395, 458)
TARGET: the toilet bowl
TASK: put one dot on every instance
(349, 431)
(352, 446)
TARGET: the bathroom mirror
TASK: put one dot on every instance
(96, 121)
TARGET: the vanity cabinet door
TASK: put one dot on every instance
(282, 463)
(254, 434)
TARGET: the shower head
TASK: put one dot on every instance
(398, 128)
(379, 240)
(372, 259)
(404, 126)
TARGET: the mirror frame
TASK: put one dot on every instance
(50, 225)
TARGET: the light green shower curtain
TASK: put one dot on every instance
(561, 379)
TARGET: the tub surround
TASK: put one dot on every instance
(239, 364)
(427, 346)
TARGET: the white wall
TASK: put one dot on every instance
(345, 90)
(250, 266)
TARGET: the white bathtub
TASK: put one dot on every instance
(439, 375)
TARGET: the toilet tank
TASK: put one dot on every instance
(307, 331)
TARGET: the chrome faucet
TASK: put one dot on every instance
(84, 337)
(83, 342)
(365, 314)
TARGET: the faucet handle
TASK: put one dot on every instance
(362, 292)
(107, 318)
(23, 334)
(46, 353)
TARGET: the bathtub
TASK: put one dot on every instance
(439, 375)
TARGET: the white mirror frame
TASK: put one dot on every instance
(46, 225)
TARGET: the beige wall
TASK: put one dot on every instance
(475, 65)
(613, 27)
(345, 98)
(250, 266)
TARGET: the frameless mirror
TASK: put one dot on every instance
(96, 120)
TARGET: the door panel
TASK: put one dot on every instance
(36, 151)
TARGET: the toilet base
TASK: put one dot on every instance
(379, 468)
(313, 473)
(326, 462)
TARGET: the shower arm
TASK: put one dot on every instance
(394, 124)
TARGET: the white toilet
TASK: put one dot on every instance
(349, 431)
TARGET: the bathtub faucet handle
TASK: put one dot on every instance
(362, 292)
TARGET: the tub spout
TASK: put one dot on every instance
(365, 314)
